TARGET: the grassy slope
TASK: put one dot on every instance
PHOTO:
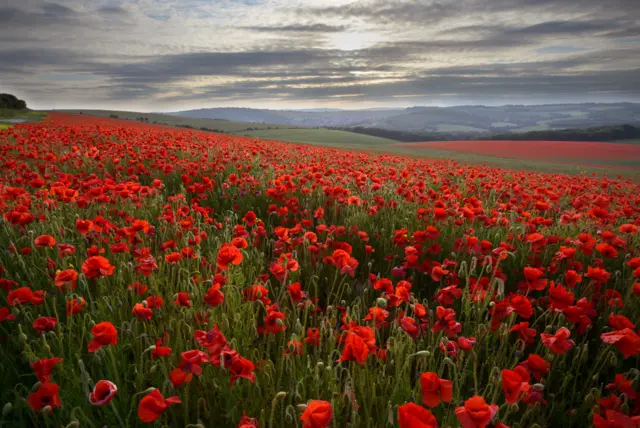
(165, 119)
(323, 137)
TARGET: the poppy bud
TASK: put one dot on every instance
(301, 407)
(625, 408)
(36, 386)
(7, 409)
(73, 424)
(288, 419)
(381, 303)
(613, 360)
(46, 410)
(423, 353)
(514, 407)
(538, 387)
(281, 395)
(153, 369)
(22, 337)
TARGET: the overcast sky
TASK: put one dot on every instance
(164, 55)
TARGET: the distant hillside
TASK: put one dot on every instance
(460, 120)
(599, 133)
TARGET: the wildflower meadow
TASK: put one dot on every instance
(153, 276)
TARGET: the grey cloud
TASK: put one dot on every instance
(302, 28)
(563, 27)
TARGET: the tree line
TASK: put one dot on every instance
(597, 133)
(8, 101)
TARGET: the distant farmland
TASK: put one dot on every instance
(573, 152)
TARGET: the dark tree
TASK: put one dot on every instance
(12, 102)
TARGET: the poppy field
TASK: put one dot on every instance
(153, 276)
(571, 152)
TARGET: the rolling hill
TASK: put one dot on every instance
(460, 120)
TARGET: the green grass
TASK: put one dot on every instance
(323, 137)
(627, 141)
(28, 115)
(216, 125)
(4, 126)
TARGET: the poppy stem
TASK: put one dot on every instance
(117, 415)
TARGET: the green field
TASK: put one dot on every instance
(214, 125)
(323, 137)
(27, 115)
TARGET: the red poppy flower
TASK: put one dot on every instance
(534, 278)
(75, 306)
(44, 241)
(240, 367)
(68, 276)
(522, 306)
(313, 337)
(615, 419)
(558, 343)
(159, 350)
(214, 296)
(410, 327)
(178, 376)
(296, 293)
(476, 413)
(103, 392)
(411, 415)
(247, 422)
(624, 385)
(466, 343)
(154, 302)
(97, 266)
(446, 322)
(620, 322)
(536, 365)
(182, 299)
(43, 324)
(84, 226)
(273, 321)
(526, 334)
(560, 298)
(355, 349)
(43, 368)
(46, 396)
(138, 288)
(141, 312)
(317, 414)
(626, 340)
(103, 334)
(23, 295)
(228, 254)
(256, 292)
(513, 382)
(434, 389)
(6, 315)
(153, 405)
